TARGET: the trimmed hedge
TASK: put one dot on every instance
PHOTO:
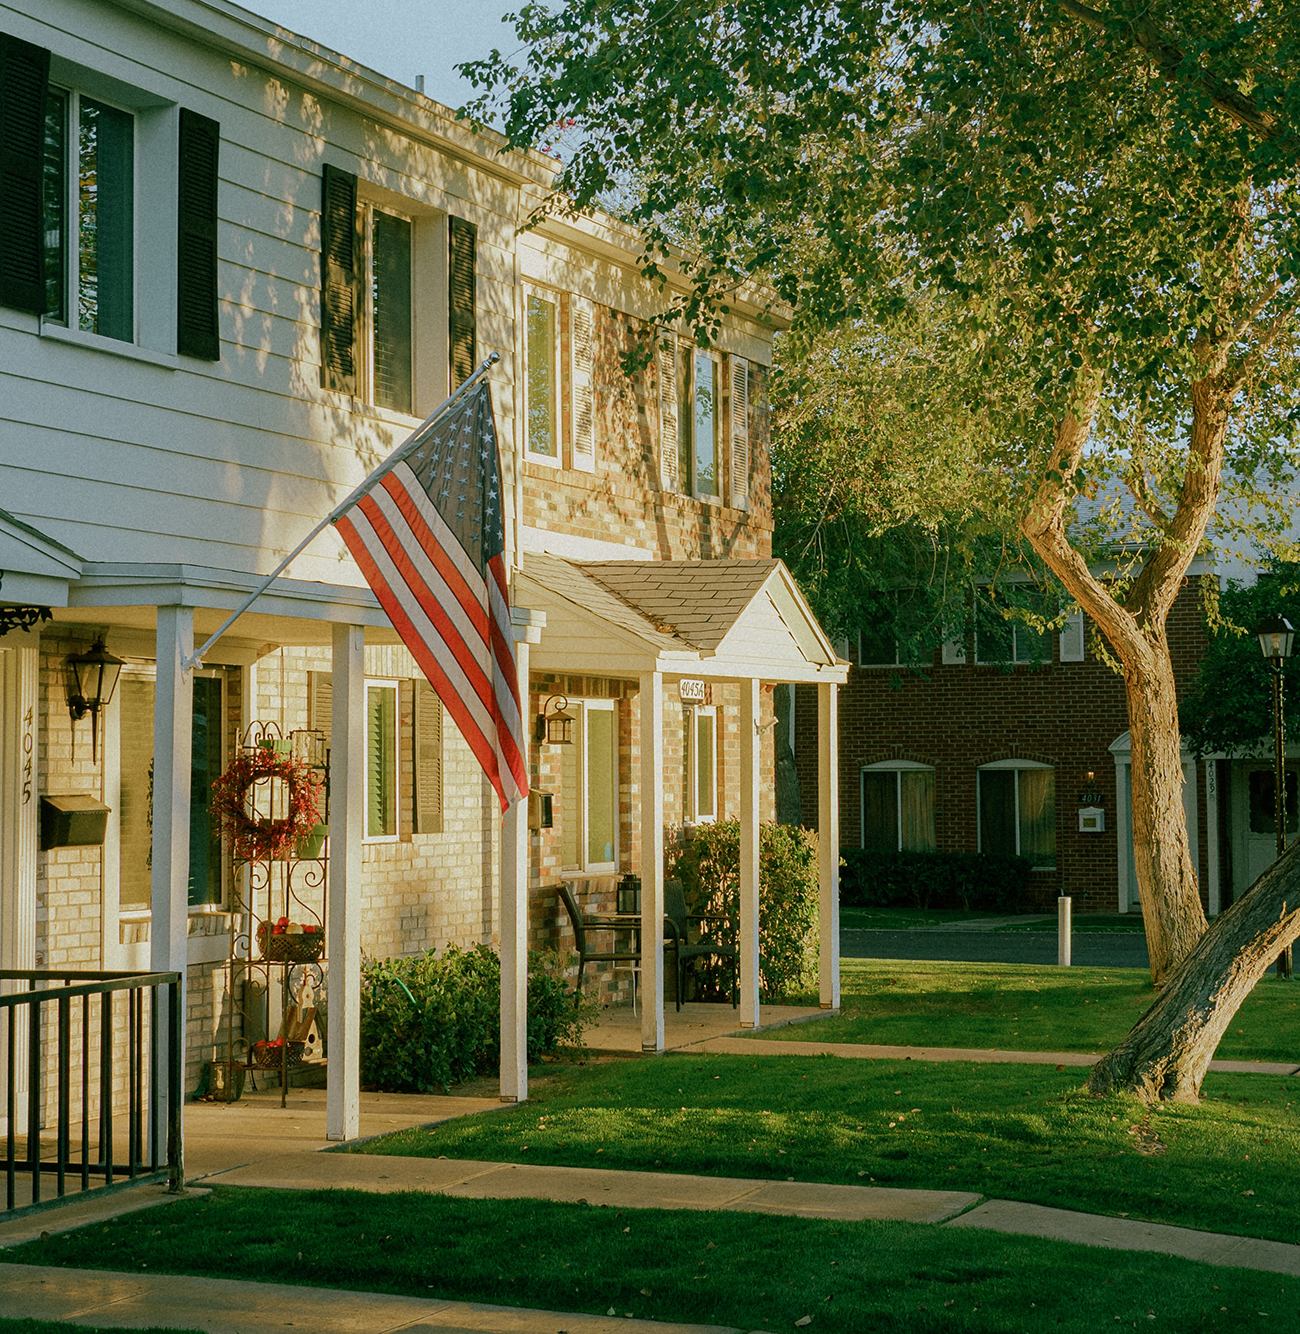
(429, 1021)
(974, 881)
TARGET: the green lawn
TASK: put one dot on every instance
(909, 919)
(1027, 1007)
(1018, 1132)
(751, 1270)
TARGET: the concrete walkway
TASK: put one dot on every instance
(226, 1306)
(764, 1046)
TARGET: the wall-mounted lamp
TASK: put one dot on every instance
(555, 727)
(1092, 778)
(89, 681)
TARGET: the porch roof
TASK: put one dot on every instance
(34, 568)
(721, 619)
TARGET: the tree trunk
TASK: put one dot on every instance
(1162, 857)
(1165, 1057)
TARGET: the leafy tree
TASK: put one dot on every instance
(1103, 198)
(1229, 707)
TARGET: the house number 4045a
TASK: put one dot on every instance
(29, 747)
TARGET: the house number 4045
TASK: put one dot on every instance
(29, 747)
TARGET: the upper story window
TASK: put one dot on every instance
(894, 635)
(700, 411)
(999, 640)
(387, 315)
(542, 382)
(89, 197)
(898, 807)
(368, 308)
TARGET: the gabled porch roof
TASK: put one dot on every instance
(34, 568)
(718, 619)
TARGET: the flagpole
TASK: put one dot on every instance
(196, 658)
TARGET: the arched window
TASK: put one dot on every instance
(898, 807)
(1017, 811)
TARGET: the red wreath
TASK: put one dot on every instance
(255, 838)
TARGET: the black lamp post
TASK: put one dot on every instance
(1276, 638)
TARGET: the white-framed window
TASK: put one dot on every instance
(894, 638)
(701, 755)
(542, 375)
(898, 807)
(1001, 640)
(699, 422)
(588, 814)
(383, 770)
(387, 340)
(89, 198)
(1017, 811)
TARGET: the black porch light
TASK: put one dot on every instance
(555, 728)
(89, 681)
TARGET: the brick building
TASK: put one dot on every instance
(1018, 742)
(250, 270)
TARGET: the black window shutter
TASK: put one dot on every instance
(462, 240)
(340, 280)
(198, 327)
(24, 76)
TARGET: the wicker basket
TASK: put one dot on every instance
(267, 1056)
(284, 948)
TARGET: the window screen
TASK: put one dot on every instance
(390, 310)
(106, 206)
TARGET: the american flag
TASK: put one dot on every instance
(430, 538)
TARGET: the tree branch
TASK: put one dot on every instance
(1168, 58)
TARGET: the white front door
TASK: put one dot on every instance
(1254, 824)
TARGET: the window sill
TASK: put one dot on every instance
(60, 333)
(542, 460)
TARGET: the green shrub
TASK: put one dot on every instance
(709, 869)
(429, 1021)
(973, 881)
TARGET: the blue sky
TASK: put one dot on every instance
(401, 38)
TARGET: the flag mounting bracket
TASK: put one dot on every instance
(406, 447)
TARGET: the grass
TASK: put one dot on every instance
(911, 919)
(1010, 1131)
(752, 1270)
(1027, 1007)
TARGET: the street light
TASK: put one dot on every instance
(1276, 638)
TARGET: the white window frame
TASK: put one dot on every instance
(534, 290)
(581, 709)
(694, 814)
(691, 351)
(70, 324)
(376, 683)
(1016, 766)
(897, 768)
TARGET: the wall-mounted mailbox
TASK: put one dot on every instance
(1092, 820)
(74, 821)
(540, 810)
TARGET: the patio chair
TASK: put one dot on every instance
(678, 921)
(586, 924)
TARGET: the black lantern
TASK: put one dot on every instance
(1276, 637)
(555, 728)
(90, 680)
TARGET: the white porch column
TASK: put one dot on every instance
(173, 743)
(526, 626)
(828, 840)
(19, 800)
(749, 835)
(343, 939)
(652, 861)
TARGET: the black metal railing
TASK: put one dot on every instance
(102, 1057)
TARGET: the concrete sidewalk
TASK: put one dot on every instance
(226, 1306)
(764, 1046)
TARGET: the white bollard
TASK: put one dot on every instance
(1063, 930)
